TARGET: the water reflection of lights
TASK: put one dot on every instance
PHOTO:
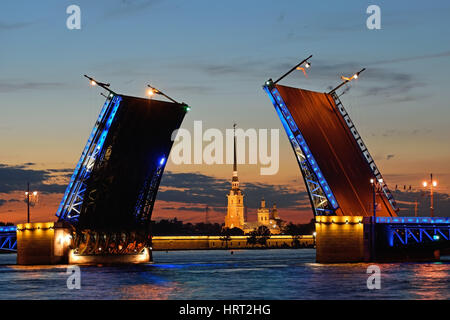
(149, 291)
(185, 265)
(282, 274)
(432, 280)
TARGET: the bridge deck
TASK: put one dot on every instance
(336, 151)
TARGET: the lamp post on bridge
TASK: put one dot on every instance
(374, 190)
(33, 196)
(432, 183)
(373, 182)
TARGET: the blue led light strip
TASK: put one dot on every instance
(8, 240)
(419, 220)
(83, 155)
(70, 206)
(147, 195)
(8, 229)
(402, 231)
(313, 177)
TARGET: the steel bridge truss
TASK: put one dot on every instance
(70, 206)
(320, 194)
(364, 151)
(88, 242)
(404, 231)
(403, 235)
(147, 195)
(8, 239)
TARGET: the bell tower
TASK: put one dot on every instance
(263, 214)
(235, 209)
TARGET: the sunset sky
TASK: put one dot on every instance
(215, 55)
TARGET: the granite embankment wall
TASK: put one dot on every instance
(162, 243)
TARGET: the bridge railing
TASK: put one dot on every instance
(8, 238)
(404, 231)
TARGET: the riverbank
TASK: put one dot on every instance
(166, 243)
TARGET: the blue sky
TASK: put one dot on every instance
(215, 56)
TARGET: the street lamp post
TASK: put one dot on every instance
(28, 194)
(433, 183)
(28, 202)
(373, 182)
(374, 190)
(372, 237)
(347, 79)
(152, 91)
(304, 62)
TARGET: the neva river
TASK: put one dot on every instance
(246, 274)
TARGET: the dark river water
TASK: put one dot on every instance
(246, 274)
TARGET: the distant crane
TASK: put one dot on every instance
(431, 184)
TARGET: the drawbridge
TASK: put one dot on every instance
(108, 203)
(350, 200)
(334, 161)
(111, 194)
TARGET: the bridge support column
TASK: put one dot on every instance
(43, 243)
(342, 239)
(143, 257)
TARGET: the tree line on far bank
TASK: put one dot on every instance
(6, 224)
(175, 227)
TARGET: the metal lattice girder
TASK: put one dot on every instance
(419, 234)
(415, 230)
(317, 196)
(70, 206)
(146, 198)
(364, 151)
(8, 241)
(322, 199)
(333, 156)
(115, 184)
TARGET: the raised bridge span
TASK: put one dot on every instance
(356, 214)
(107, 206)
(106, 209)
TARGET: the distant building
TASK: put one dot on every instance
(266, 217)
(235, 217)
(235, 209)
(263, 214)
(269, 218)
